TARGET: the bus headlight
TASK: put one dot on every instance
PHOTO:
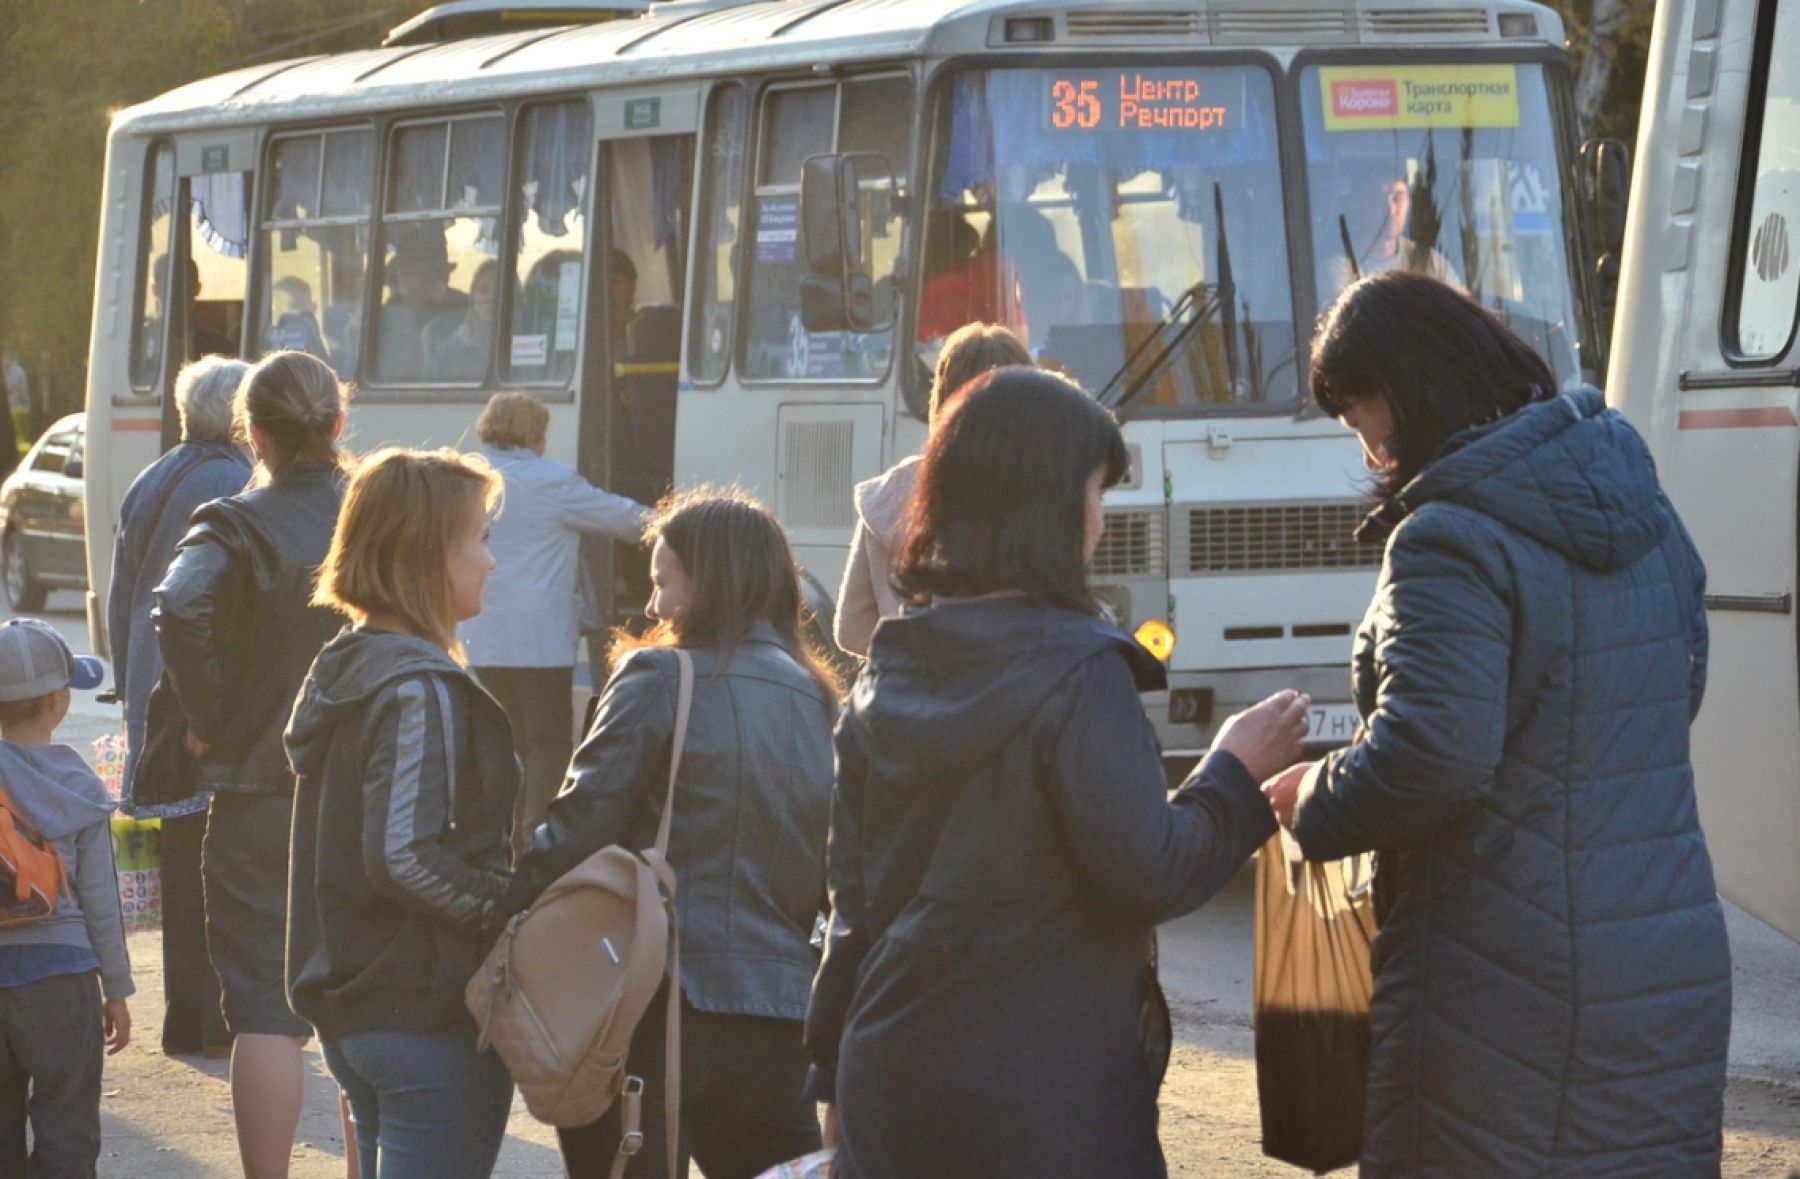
(1158, 638)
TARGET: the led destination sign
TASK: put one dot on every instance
(1144, 100)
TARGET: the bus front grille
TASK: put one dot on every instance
(1131, 546)
(816, 481)
(1261, 25)
(1116, 23)
(1432, 22)
(1264, 538)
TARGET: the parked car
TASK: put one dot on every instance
(45, 517)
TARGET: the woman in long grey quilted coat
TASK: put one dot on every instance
(1552, 982)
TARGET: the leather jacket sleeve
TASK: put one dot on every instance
(847, 938)
(626, 749)
(409, 806)
(204, 581)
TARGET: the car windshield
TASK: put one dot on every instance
(1451, 171)
(1080, 206)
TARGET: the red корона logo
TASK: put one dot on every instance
(1365, 99)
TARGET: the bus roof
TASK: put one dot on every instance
(683, 40)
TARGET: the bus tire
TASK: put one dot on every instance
(23, 590)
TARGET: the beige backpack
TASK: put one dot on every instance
(563, 989)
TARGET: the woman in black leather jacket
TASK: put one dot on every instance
(747, 840)
(238, 635)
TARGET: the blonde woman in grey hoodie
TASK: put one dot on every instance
(868, 595)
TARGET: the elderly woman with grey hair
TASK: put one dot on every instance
(206, 465)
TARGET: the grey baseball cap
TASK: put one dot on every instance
(35, 661)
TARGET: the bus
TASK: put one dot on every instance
(1158, 196)
(1707, 368)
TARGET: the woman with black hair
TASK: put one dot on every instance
(1552, 982)
(1002, 838)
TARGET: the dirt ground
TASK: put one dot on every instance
(171, 1118)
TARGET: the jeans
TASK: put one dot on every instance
(426, 1105)
(742, 1106)
(192, 1018)
(51, 1039)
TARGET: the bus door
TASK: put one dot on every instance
(205, 292)
(636, 299)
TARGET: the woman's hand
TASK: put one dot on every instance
(117, 1018)
(1283, 792)
(1266, 738)
(828, 1133)
(195, 746)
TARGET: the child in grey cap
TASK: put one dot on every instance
(53, 1021)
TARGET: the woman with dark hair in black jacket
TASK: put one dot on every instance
(1002, 838)
(746, 841)
(238, 632)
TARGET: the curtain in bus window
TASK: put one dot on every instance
(558, 145)
(222, 211)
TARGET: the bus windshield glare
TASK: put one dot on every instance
(1079, 206)
(1451, 171)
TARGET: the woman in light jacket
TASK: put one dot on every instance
(868, 595)
(522, 644)
(747, 840)
(1552, 983)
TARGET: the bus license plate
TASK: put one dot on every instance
(1331, 724)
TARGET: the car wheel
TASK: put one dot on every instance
(23, 591)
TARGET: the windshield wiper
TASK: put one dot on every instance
(1198, 306)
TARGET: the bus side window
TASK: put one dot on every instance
(1766, 284)
(155, 235)
(315, 234)
(864, 114)
(721, 216)
(441, 231)
(554, 160)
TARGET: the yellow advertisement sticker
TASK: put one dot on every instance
(1391, 98)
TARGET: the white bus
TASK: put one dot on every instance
(1707, 367)
(609, 216)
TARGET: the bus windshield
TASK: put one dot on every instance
(1082, 206)
(1451, 171)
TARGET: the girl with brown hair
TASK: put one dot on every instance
(238, 628)
(747, 840)
(406, 782)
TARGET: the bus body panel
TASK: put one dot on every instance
(1726, 440)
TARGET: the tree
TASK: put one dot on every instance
(1609, 41)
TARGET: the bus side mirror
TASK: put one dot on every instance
(1610, 187)
(836, 292)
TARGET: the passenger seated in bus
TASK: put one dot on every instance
(202, 339)
(419, 292)
(293, 326)
(1377, 224)
(961, 284)
(621, 298)
(457, 346)
(541, 303)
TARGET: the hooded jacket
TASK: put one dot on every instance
(867, 594)
(1552, 982)
(406, 779)
(1002, 847)
(236, 626)
(54, 790)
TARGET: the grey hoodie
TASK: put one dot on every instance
(56, 792)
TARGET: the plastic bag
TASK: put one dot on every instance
(1315, 924)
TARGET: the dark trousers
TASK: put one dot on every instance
(50, 1052)
(192, 1019)
(539, 703)
(742, 1106)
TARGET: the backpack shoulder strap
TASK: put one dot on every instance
(684, 702)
